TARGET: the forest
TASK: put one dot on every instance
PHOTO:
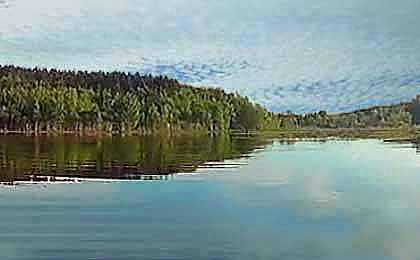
(49, 101)
(39, 101)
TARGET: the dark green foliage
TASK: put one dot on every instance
(414, 109)
(247, 117)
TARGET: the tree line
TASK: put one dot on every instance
(36, 101)
(53, 101)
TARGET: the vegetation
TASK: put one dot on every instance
(392, 116)
(38, 101)
(414, 109)
(51, 101)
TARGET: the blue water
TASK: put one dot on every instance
(307, 200)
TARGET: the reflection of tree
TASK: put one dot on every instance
(116, 157)
(99, 157)
(416, 144)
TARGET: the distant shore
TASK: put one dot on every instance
(53, 102)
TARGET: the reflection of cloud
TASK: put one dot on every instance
(4, 4)
(356, 198)
(319, 189)
(370, 219)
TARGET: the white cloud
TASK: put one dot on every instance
(296, 52)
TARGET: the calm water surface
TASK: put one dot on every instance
(295, 200)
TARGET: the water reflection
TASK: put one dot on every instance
(416, 144)
(307, 200)
(405, 143)
(38, 159)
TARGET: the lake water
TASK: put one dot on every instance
(239, 198)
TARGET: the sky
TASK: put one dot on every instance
(297, 55)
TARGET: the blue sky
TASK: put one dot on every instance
(299, 55)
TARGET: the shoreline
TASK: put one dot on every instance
(28, 176)
(411, 129)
